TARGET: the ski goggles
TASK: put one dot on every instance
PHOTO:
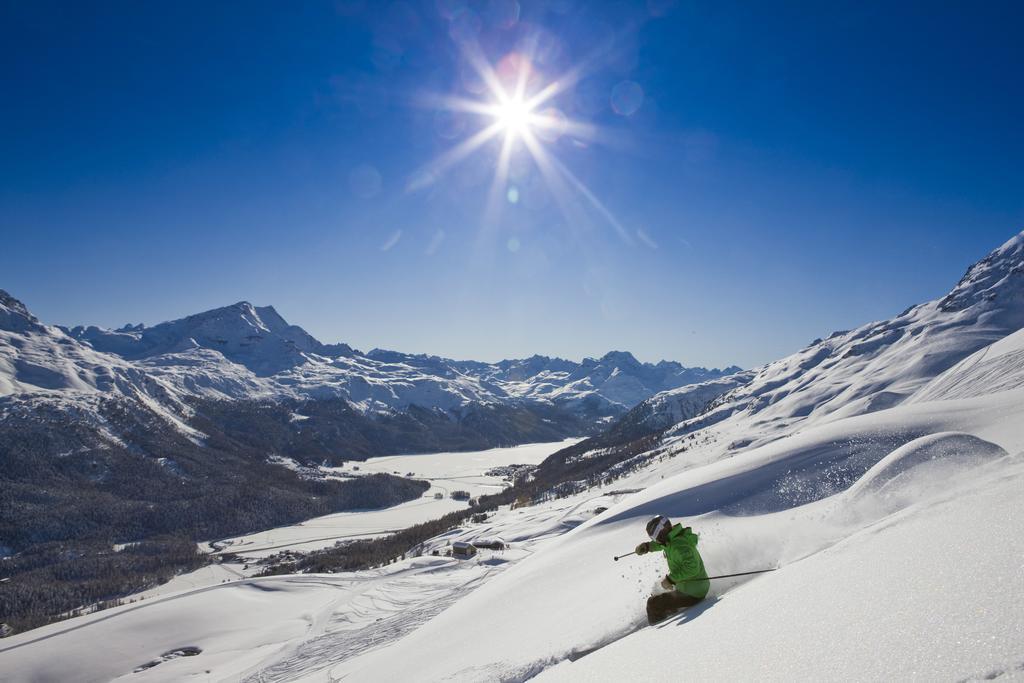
(663, 524)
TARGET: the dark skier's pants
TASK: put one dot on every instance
(661, 605)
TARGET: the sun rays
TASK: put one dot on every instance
(517, 113)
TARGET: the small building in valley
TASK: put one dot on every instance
(462, 550)
(491, 543)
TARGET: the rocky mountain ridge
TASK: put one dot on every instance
(245, 352)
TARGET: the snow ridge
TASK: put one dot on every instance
(1000, 275)
(882, 364)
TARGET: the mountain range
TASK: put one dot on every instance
(244, 353)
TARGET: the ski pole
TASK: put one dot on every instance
(729, 576)
(711, 578)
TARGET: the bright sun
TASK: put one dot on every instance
(514, 115)
(519, 104)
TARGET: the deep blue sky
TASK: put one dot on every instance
(789, 171)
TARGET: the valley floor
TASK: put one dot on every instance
(446, 472)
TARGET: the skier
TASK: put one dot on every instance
(686, 580)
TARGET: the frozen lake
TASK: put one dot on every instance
(446, 472)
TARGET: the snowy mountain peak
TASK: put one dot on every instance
(243, 313)
(256, 337)
(269, 316)
(14, 316)
(621, 359)
(999, 277)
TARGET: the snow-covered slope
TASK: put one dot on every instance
(44, 371)
(997, 367)
(913, 571)
(676, 405)
(783, 504)
(886, 603)
(38, 358)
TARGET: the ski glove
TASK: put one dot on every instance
(667, 583)
(643, 548)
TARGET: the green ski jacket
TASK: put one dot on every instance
(684, 562)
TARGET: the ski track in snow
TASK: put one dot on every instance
(407, 603)
(1015, 670)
